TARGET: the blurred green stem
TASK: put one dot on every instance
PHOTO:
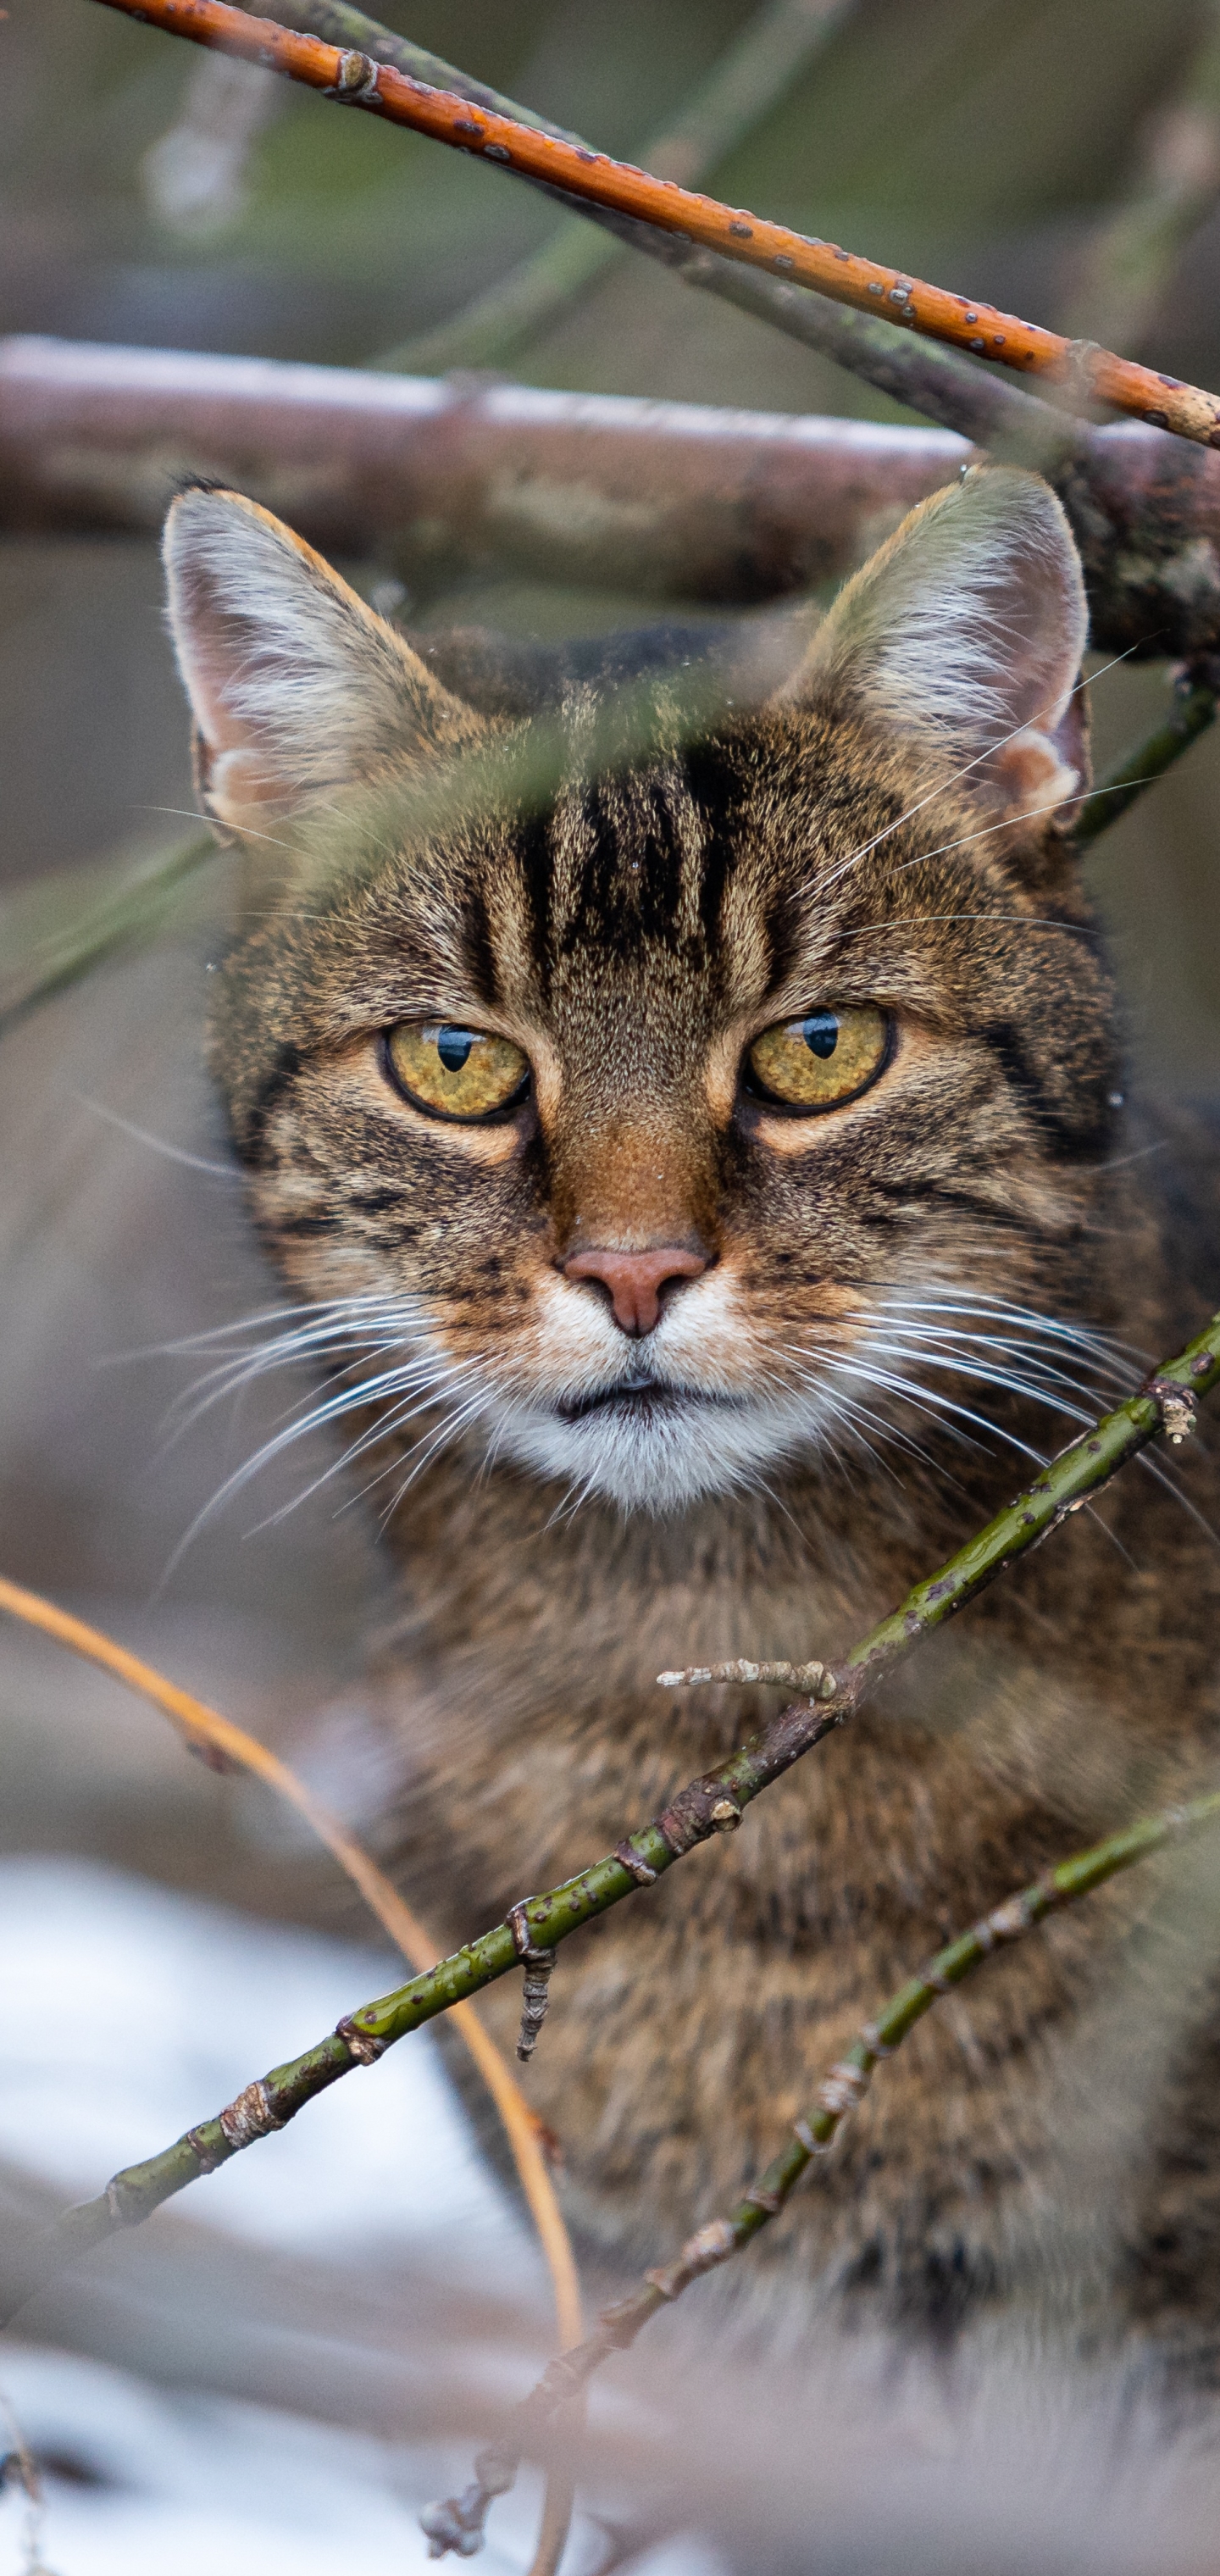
(450, 2525)
(58, 930)
(1193, 711)
(934, 381)
(749, 79)
(1131, 253)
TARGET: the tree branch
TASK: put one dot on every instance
(673, 499)
(1085, 374)
(952, 390)
(457, 2523)
(712, 1804)
(226, 1746)
(777, 44)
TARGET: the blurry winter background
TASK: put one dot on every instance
(262, 2375)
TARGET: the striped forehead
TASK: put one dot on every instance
(627, 867)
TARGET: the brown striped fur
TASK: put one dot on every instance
(629, 891)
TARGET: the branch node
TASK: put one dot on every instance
(125, 2207)
(457, 2523)
(1177, 1404)
(843, 2088)
(207, 2156)
(710, 2245)
(1006, 1922)
(251, 2116)
(355, 80)
(640, 1871)
(726, 1817)
(535, 1992)
(364, 2046)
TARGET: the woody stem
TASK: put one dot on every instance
(712, 1804)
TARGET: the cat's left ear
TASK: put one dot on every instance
(967, 629)
(297, 689)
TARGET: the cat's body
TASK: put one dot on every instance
(624, 1320)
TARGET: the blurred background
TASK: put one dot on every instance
(1058, 157)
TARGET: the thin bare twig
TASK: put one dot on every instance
(1128, 256)
(932, 380)
(712, 1804)
(228, 1746)
(19, 2468)
(457, 2523)
(776, 45)
(1083, 372)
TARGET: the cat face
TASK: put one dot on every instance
(638, 1093)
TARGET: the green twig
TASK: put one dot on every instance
(55, 933)
(778, 43)
(709, 1805)
(457, 2523)
(1193, 711)
(1131, 252)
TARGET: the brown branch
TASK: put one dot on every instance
(1083, 372)
(665, 498)
(748, 80)
(227, 1746)
(957, 392)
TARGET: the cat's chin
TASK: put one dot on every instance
(653, 1448)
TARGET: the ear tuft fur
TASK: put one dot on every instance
(296, 687)
(967, 629)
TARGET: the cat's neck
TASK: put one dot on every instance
(507, 1582)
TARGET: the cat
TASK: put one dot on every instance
(692, 1137)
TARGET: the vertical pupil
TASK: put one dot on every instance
(454, 1045)
(821, 1032)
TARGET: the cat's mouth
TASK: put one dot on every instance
(640, 1400)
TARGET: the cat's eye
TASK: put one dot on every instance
(821, 1061)
(454, 1072)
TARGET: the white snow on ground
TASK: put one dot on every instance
(195, 2483)
(126, 2014)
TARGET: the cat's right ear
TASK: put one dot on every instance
(966, 631)
(297, 688)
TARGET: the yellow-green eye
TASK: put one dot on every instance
(454, 1072)
(821, 1061)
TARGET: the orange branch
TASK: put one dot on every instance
(1088, 373)
(210, 1733)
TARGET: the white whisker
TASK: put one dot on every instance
(157, 1144)
(964, 772)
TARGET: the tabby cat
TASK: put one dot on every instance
(693, 1139)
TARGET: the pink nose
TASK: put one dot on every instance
(635, 1279)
